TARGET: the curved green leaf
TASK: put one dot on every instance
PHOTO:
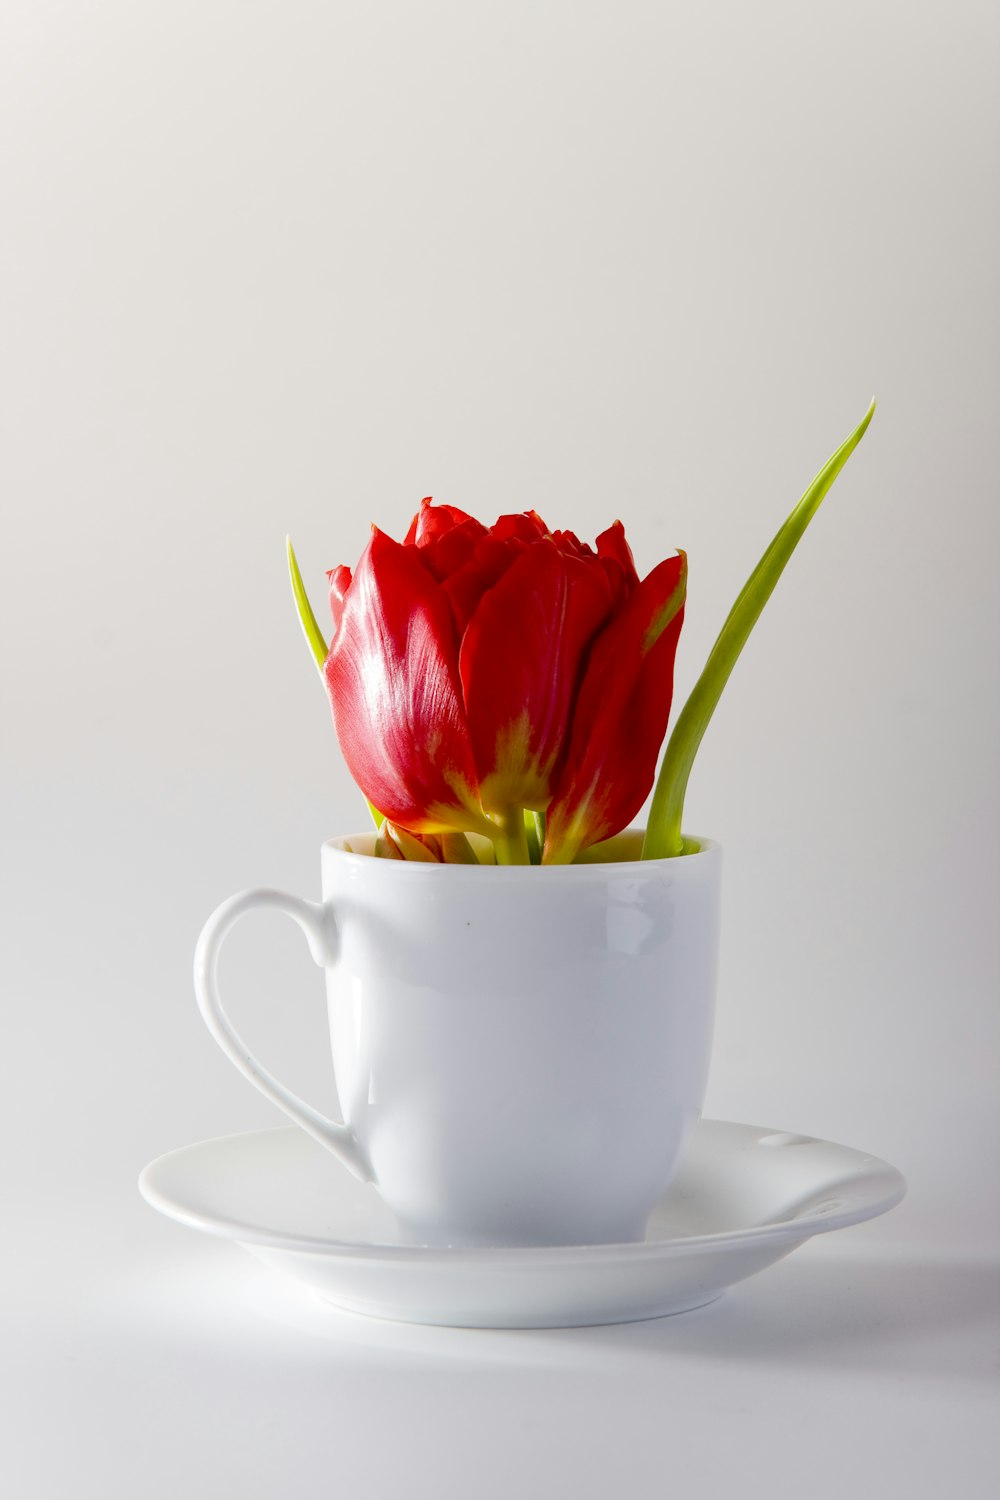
(663, 834)
(311, 631)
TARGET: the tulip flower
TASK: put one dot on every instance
(477, 672)
(514, 682)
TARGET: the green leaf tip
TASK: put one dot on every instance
(314, 636)
(663, 834)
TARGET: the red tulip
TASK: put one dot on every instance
(476, 672)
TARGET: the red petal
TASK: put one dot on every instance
(621, 717)
(616, 581)
(520, 664)
(611, 544)
(489, 562)
(432, 521)
(392, 675)
(570, 543)
(527, 526)
(340, 582)
(452, 549)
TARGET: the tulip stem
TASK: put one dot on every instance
(511, 839)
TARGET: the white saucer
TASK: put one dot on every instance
(743, 1198)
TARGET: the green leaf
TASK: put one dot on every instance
(534, 831)
(311, 631)
(663, 834)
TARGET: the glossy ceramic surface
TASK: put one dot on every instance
(742, 1198)
(520, 1054)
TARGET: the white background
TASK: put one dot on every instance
(287, 267)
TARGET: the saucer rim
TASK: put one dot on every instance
(886, 1187)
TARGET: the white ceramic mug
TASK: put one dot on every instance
(520, 1053)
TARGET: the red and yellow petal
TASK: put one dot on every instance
(621, 717)
(521, 663)
(392, 677)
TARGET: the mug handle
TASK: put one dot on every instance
(314, 919)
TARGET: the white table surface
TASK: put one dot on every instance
(141, 1359)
